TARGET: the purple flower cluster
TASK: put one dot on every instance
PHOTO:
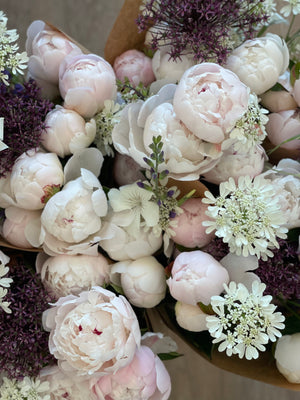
(281, 273)
(23, 342)
(203, 28)
(24, 111)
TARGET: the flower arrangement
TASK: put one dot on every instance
(160, 179)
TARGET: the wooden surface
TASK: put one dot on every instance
(89, 22)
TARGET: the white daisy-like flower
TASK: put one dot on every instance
(249, 131)
(293, 7)
(105, 122)
(247, 216)
(136, 205)
(244, 321)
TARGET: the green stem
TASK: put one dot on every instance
(287, 38)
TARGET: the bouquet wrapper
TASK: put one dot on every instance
(124, 36)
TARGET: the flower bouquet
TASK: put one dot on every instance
(159, 181)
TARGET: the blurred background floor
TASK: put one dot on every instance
(89, 22)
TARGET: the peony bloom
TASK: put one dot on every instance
(287, 357)
(95, 333)
(71, 220)
(85, 82)
(286, 188)
(71, 274)
(282, 126)
(46, 49)
(276, 101)
(144, 378)
(186, 156)
(164, 67)
(259, 62)
(134, 65)
(296, 91)
(235, 163)
(66, 132)
(188, 229)
(190, 317)
(126, 170)
(143, 281)
(209, 100)
(35, 177)
(195, 277)
(62, 386)
(17, 223)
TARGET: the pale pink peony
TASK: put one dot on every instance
(71, 219)
(46, 49)
(195, 277)
(143, 281)
(190, 317)
(71, 274)
(62, 386)
(144, 378)
(259, 62)
(35, 177)
(287, 357)
(95, 333)
(282, 126)
(209, 100)
(189, 231)
(66, 132)
(134, 65)
(296, 91)
(235, 163)
(17, 223)
(164, 67)
(85, 82)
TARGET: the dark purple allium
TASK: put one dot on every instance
(217, 248)
(203, 28)
(23, 342)
(24, 112)
(281, 273)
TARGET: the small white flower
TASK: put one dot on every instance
(293, 6)
(4, 282)
(245, 320)
(27, 388)
(136, 203)
(247, 216)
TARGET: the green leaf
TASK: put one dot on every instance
(169, 356)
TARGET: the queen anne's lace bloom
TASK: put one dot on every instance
(293, 6)
(9, 56)
(245, 320)
(247, 216)
(27, 388)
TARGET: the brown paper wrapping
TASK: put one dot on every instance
(124, 36)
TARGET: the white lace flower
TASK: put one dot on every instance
(27, 388)
(247, 216)
(9, 56)
(293, 6)
(245, 320)
(4, 282)
(249, 131)
(105, 122)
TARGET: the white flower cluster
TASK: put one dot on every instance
(293, 7)
(26, 389)
(249, 131)
(247, 216)
(4, 282)
(9, 56)
(244, 321)
(105, 122)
